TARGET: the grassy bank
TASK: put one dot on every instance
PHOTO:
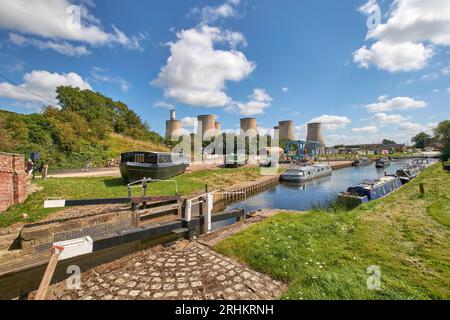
(105, 187)
(325, 255)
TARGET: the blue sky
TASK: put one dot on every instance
(274, 60)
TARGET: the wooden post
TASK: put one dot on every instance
(48, 275)
(45, 171)
(422, 188)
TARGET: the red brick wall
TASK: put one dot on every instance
(13, 180)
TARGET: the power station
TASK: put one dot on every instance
(207, 125)
(209, 128)
(173, 126)
(249, 126)
(287, 131)
(315, 134)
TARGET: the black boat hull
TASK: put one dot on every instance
(131, 171)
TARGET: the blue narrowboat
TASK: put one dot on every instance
(371, 190)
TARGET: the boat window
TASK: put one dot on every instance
(139, 158)
(151, 158)
(165, 158)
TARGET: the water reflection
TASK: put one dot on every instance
(303, 196)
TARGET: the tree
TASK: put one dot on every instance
(442, 134)
(421, 140)
(387, 142)
(442, 131)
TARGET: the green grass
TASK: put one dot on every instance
(325, 255)
(117, 144)
(106, 187)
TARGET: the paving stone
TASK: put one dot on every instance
(193, 273)
(134, 293)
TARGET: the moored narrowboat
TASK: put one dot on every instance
(409, 173)
(370, 190)
(362, 162)
(383, 163)
(303, 174)
(135, 166)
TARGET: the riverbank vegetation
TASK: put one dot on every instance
(325, 254)
(86, 127)
(107, 187)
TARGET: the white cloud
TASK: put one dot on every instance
(259, 101)
(332, 122)
(448, 89)
(196, 72)
(446, 71)
(389, 118)
(163, 104)
(54, 20)
(394, 57)
(98, 75)
(209, 14)
(398, 103)
(368, 130)
(412, 127)
(285, 89)
(189, 122)
(43, 84)
(401, 42)
(430, 76)
(62, 47)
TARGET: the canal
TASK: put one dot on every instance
(319, 192)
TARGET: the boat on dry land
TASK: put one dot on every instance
(136, 166)
(233, 160)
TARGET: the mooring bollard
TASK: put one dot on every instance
(422, 188)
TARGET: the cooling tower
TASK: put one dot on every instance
(315, 134)
(249, 126)
(173, 126)
(207, 123)
(218, 126)
(287, 131)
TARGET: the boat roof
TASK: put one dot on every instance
(150, 152)
(368, 184)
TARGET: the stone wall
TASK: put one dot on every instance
(39, 237)
(13, 180)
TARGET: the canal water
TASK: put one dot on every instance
(319, 192)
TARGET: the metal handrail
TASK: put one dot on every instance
(144, 182)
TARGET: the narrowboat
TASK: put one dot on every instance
(135, 166)
(303, 174)
(409, 173)
(235, 160)
(362, 162)
(422, 163)
(446, 165)
(383, 163)
(370, 190)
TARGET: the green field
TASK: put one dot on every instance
(106, 187)
(326, 254)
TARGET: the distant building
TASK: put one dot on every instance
(372, 149)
